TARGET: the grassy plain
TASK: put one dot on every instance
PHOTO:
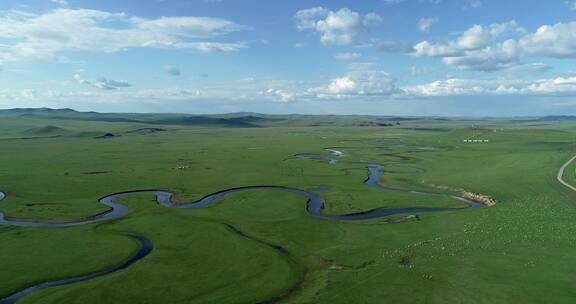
(520, 251)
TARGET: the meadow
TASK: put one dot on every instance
(55, 165)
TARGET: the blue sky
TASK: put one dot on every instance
(386, 57)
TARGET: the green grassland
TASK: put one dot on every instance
(56, 164)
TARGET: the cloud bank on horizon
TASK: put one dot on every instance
(397, 57)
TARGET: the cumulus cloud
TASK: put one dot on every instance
(502, 46)
(340, 27)
(558, 41)
(375, 84)
(475, 38)
(103, 83)
(563, 85)
(342, 85)
(357, 83)
(348, 56)
(492, 58)
(559, 85)
(45, 36)
(425, 24)
(454, 86)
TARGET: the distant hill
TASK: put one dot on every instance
(546, 119)
(65, 114)
(255, 119)
(151, 119)
(204, 121)
(557, 118)
(237, 120)
(37, 111)
(44, 110)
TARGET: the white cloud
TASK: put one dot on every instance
(453, 87)
(45, 36)
(60, 2)
(357, 83)
(474, 4)
(564, 85)
(371, 85)
(560, 85)
(492, 58)
(558, 41)
(340, 27)
(348, 56)
(190, 27)
(280, 95)
(502, 46)
(474, 38)
(531, 68)
(342, 85)
(103, 83)
(306, 19)
(425, 24)
(109, 92)
(371, 20)
(490, 48)
(571, 5)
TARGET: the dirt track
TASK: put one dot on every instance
(560, 175)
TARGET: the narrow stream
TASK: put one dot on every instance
(145, 248)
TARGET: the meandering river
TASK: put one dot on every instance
(315, 206)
